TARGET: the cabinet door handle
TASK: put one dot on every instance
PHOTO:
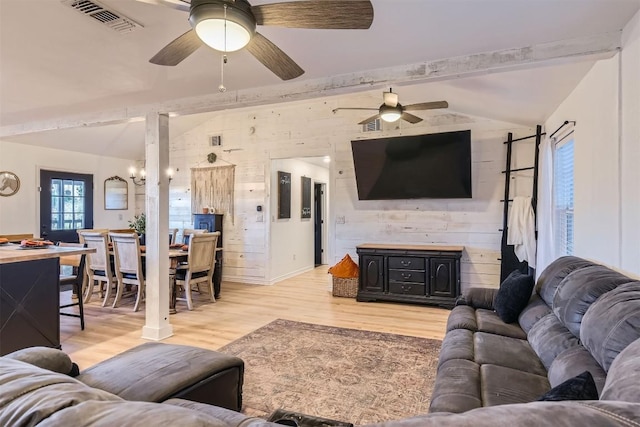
(406, 275)
(405, 263)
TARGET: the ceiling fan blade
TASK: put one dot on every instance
(273, 58)
(173, 4)
(355, 108)
(410, 118)
(369, 120)
(427, 106)
(320, 14)
(390, 98)
(176, 51)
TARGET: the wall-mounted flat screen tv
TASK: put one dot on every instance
(434, 166)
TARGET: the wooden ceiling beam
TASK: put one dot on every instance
(591, 47)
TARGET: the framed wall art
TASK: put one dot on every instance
(284, 195)
(306, 198)
(9, 183)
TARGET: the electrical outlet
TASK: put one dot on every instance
(294, 257)
(259, 218)
(340, 219)
(120, 217)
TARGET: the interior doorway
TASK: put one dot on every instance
(319, 203)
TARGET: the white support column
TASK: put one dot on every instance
(157, 326)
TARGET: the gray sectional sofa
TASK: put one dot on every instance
(582, 317)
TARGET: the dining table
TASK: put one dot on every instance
(177, 255)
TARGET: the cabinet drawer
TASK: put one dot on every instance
(407, 288)
(407, 276)
(406, 262)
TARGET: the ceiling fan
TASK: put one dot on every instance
(230, 25)
(391, 110)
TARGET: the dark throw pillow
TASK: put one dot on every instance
(581, 387)
(513, 296)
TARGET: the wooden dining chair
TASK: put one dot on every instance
(128, 260)
(201, 261)
(173, 235)
(188, 232)
(98, 265)
(75, 279)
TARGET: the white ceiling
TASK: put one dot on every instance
(55, 62)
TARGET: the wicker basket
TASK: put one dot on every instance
(345, 287)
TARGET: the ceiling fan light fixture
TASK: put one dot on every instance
(224, 30)
(390, 114)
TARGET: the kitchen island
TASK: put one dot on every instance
(30, 296)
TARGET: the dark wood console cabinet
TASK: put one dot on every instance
(422, 274)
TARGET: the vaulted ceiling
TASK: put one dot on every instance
(56, 62)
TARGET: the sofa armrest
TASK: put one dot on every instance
(46, 358)
(478, 298)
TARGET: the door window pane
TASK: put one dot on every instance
(67, 204)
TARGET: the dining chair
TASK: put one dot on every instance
(129, 271)
(75, 279)
(189, 231)
(173, 235)
(201, 261)
(98, 266)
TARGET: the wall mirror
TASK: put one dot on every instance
(116, 193)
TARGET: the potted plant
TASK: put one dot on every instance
(139, 224)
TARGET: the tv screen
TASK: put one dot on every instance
(435, 166)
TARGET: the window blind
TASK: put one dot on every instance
(563, 197)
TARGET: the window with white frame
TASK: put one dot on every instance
(563, 196)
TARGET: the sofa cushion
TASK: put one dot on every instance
(45, 358)
(580, 387)
(534, 311)
(513, 295)
(488, 321)
(501, 385)
(31, 395)
(457, 387)
(579, 290)
(457, 344)
(571, 363)
(126, 413)
(612, 323)
(478, 297)
(549, 337)
(623, 380)
(555, 272)
(512, 353)
(462, 317)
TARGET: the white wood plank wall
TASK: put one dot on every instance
(310, 128)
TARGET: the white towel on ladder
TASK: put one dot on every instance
(521, 232)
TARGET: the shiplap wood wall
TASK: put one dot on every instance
(252, 137)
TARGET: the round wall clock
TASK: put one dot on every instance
(9, 183)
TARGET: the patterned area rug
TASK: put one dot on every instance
(344, 374)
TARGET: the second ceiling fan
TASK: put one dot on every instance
(230, 25)
(391, 110)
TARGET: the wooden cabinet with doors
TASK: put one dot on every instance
(422, 274)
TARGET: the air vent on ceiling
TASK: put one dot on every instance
(371, 126)
(114, 20)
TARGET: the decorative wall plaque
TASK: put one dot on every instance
(9, 183)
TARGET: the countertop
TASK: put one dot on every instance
(11, 252)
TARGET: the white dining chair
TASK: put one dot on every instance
(201, 261)
(128, 260)
(98, 265)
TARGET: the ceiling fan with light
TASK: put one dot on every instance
(230, 25)
(391, 110)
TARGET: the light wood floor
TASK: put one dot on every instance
(241, 309)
